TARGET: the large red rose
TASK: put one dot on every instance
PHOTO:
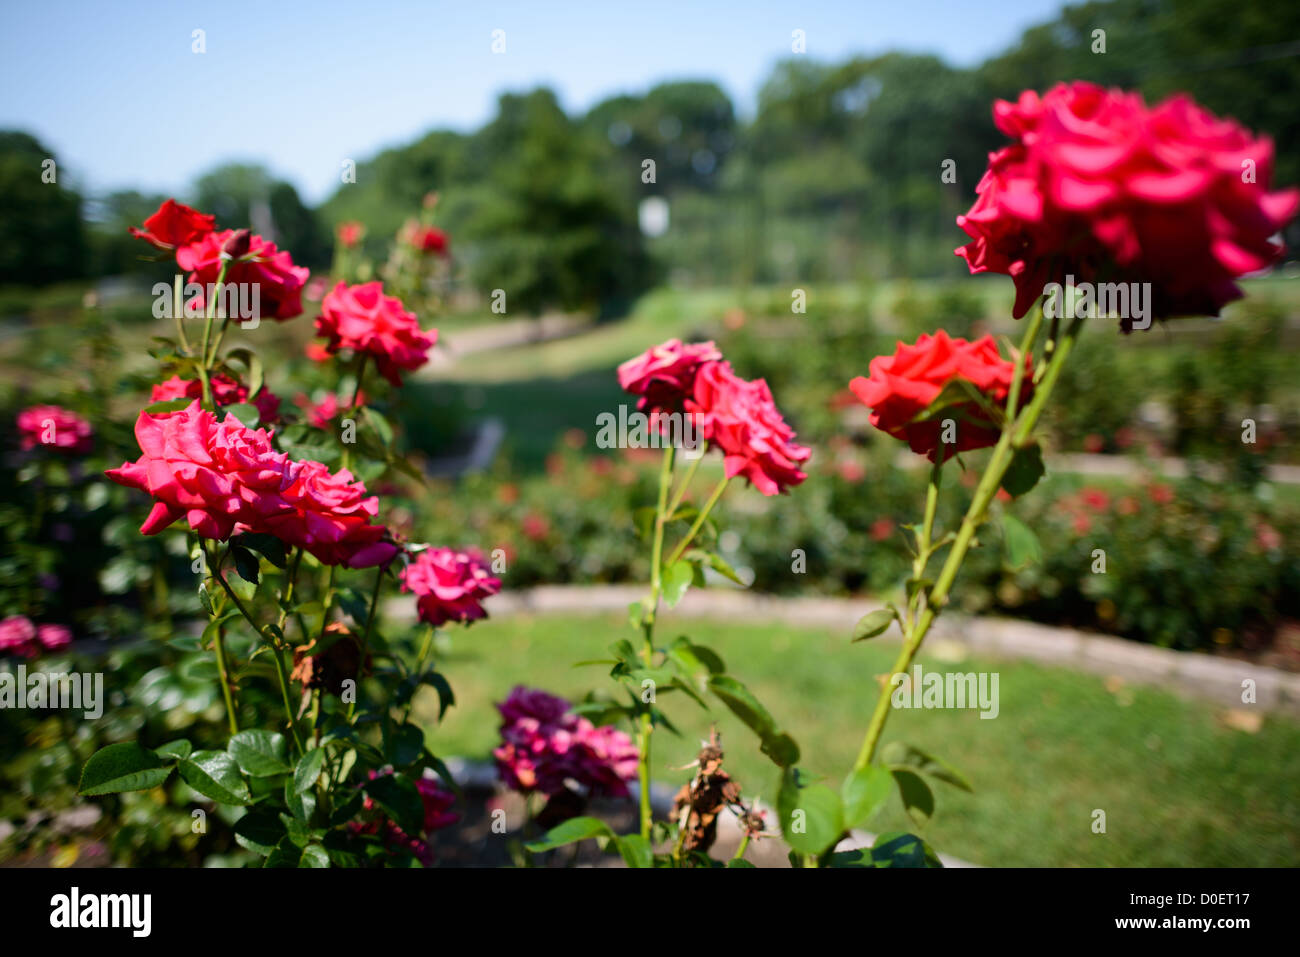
(1098, 186)
(174, 225)
(740, 418)
(329, 515)
(363, 319)
(903, 385)
(664, 376)
(217, 475)
(279, 282)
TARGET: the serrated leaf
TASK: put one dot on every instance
(636, 850)
(896, 754)
(123, 767)
(812, 819)
(259, 753)
(215, 775)
(259, 831)
(776, 744)
(1022, 546)
(244, 412)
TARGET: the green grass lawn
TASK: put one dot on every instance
(1178, 787)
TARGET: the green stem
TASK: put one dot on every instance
(1016, 429)
(645, 722)
(685, 484)
(365, 637)
(211, 313)
(699, 521)
(218, 646)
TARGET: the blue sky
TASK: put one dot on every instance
(115, 90)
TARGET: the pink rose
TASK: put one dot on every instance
(53, 637)
(448, 585)
(545, 746)
(18, 637)
(427, 239)
(664, 376)
(350, 234)
(1098, 186)
(279, 282)
(55, 428)
(740, 418)
(363, 319)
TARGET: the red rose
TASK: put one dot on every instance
(350, 234)
(54, 427)
(448, 585)
(903, 385)
(279, 282)
(740, 418)
(329, 515)
(1099, 187)
(427, 239)
(225, 478)
(664, 376)
(225, 391)
(363, 319)
(174, 225)
(216, 474)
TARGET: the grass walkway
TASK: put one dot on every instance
(1178, 787)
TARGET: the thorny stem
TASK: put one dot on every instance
(1016, 431)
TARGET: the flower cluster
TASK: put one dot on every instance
(544, 745)
(54, 427)
(448, 585)
(1098, 186)
(225, 478)
(903, 386)
(225, 391)
(201, 250)
(734, 415)
(21, 638)
(362, 319)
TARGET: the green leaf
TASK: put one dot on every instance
(215, 775)
(379, 424)
(1022, 547)
(302, 804)
(253, 364)
(1025, 470)
(739, 862)
(259, 831)
(570, 832)
(776, 744)
(874, 623)
(864, 793)
(246, 564)
(260, 754)
(905, 757)
(635, 614)
(168, 405)
(399, 798)
(636, 850)
(268, 546)
(179, 748)
(313, 855)
(897, 849)
(711, 560)
(244, 412)
(695, 659)
(308, 770)
(446, 697)
(404, 745)
(205, 598)
(812, 819)
(677, 578)
(123, 767)
(918, 799)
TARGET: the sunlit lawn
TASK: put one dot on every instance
(1178, 787)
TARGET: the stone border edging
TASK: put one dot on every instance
(1192, 674)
